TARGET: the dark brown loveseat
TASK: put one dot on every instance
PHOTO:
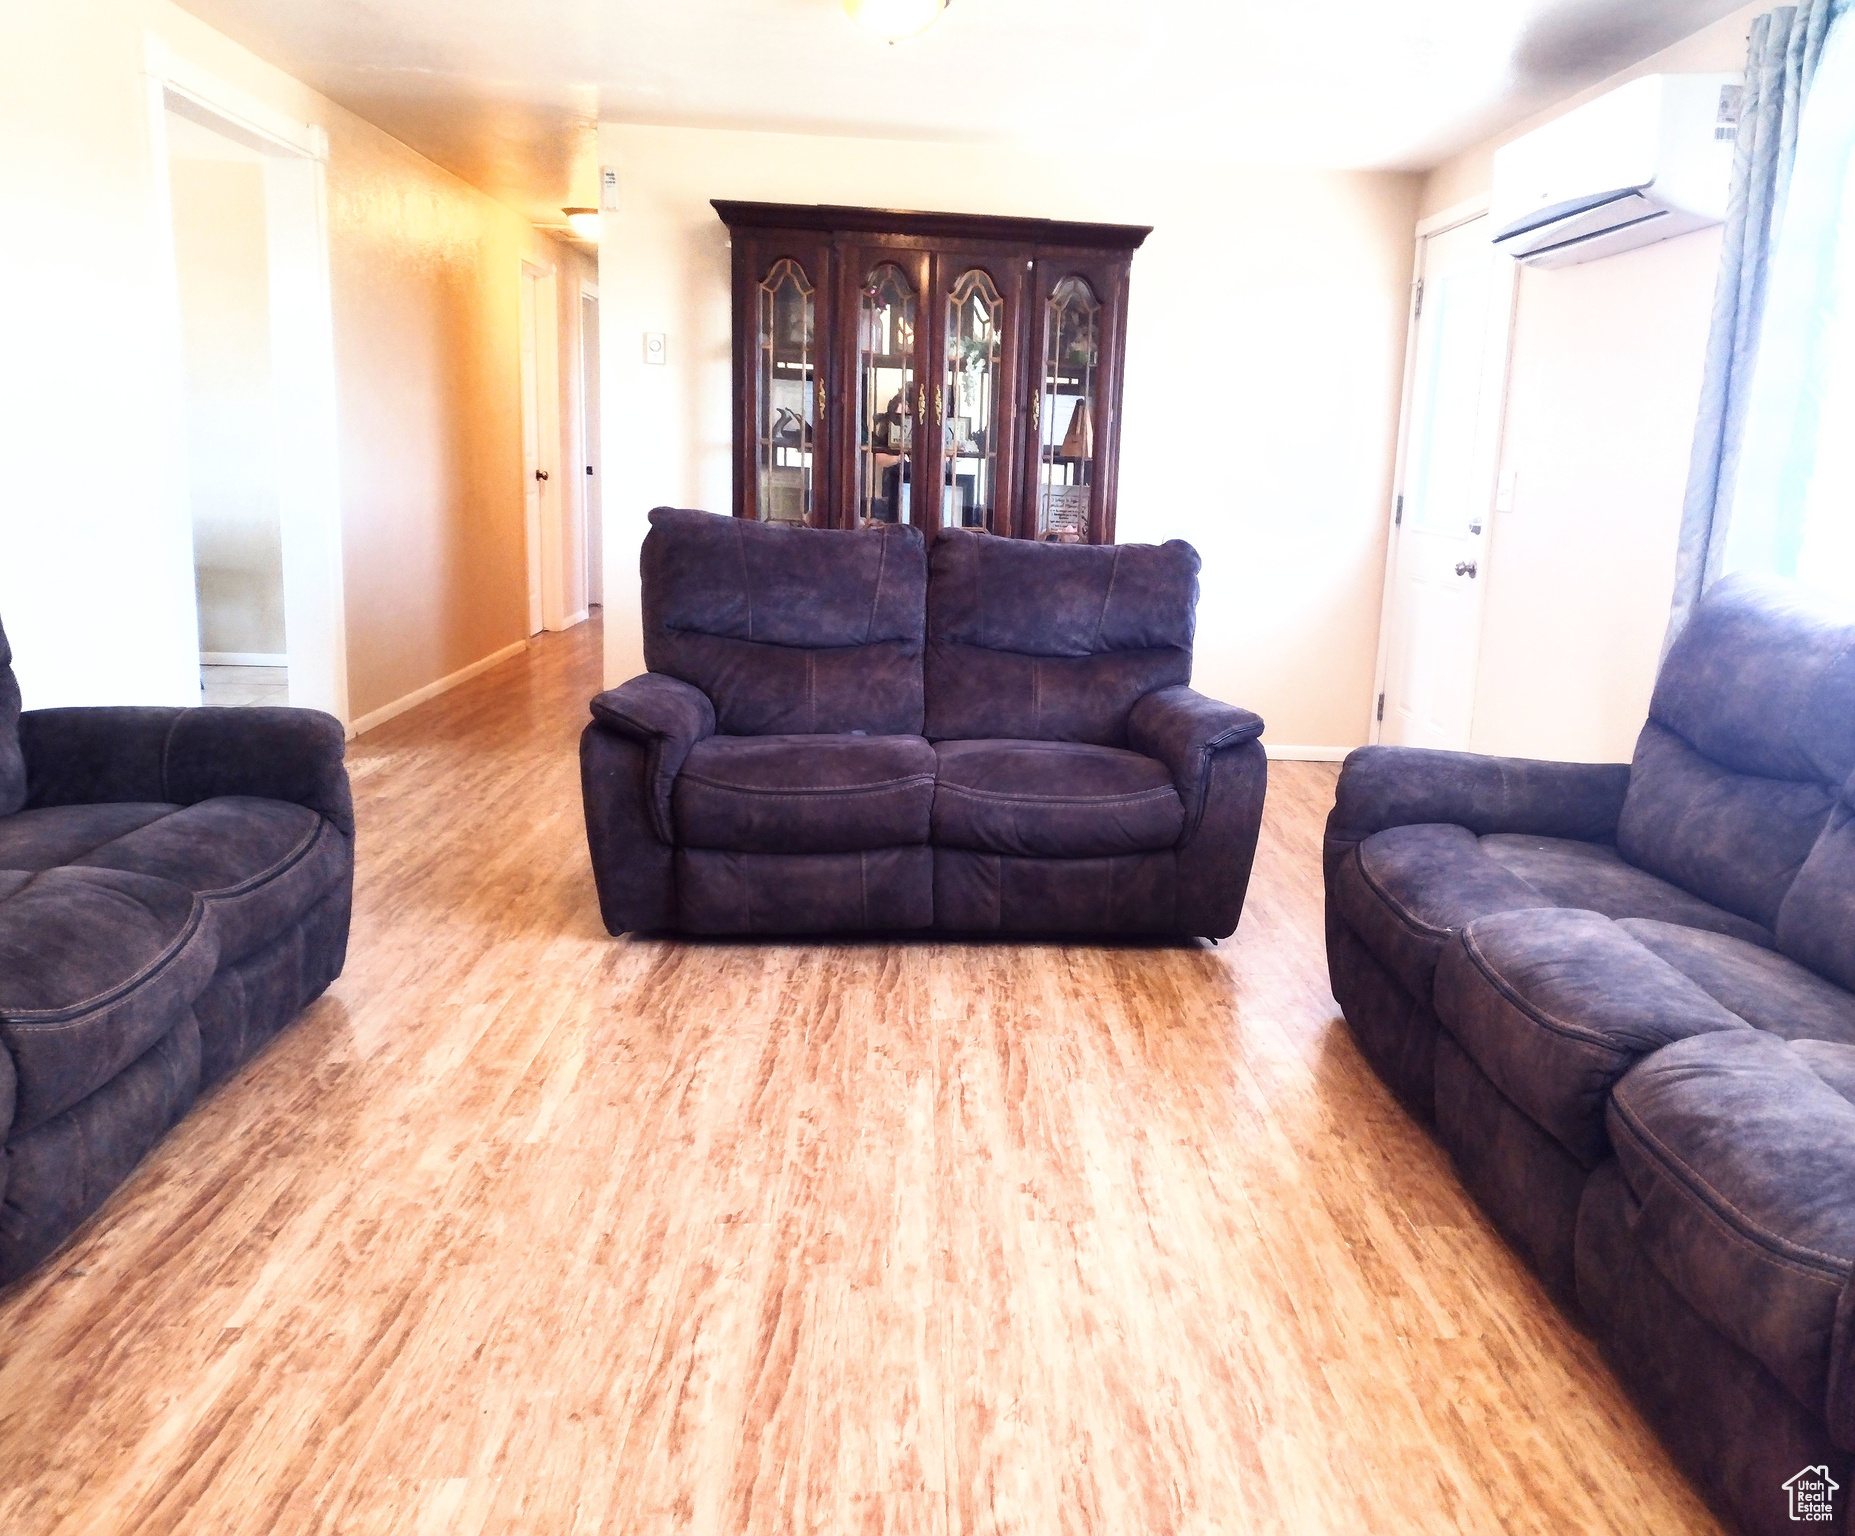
(837, 735)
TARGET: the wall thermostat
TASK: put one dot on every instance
(656, 348)
(608, 188)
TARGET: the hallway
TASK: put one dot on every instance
(523, 1228)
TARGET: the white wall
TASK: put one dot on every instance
(1603, 389)
(96, 568)
(223, 269)
(1265, 340)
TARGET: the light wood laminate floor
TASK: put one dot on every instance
(526, 1229)
(230, 687)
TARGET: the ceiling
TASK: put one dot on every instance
(508, 93)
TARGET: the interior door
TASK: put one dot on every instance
(1445, 484)
(593, 538)
(535, 473)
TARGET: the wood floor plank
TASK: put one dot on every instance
(523, 1228)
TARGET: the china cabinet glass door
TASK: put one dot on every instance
(974, 388)
(891, 402)
(1065, 411)
(788, 391)
(932, 369)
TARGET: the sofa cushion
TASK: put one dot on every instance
(259, 864)
(1406, 890)
(788, 629)
(96, 965)
(1739, 1149)
(1554, 1006)
(1052, 799)
(1764, 988)
(1595, 877)
(12, 761)
(1053, 642)
(1751, 733)
(805, 794)
(1816, 924)
(61, 834)
(1762, 682)
(1734, 839)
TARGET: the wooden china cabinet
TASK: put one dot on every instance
(945, 370)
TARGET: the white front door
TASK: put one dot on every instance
(1432, 625)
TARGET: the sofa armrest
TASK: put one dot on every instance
(1383, 787)
(1183, 729)
(666, 717)
(101, 755)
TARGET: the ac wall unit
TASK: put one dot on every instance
(1649, 160)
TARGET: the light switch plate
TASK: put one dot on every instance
(1504, 490)
(656, 348)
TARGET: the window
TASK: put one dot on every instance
(1794, 500)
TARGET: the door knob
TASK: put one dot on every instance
(541, 474)
(1465, 567)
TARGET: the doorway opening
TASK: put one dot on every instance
(252, 343)
(222, 275)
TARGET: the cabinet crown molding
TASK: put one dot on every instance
(830, 219)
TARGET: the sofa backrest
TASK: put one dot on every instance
(788, 630)
(1816, 924)
(12, 764)
(1053, 642)
(1750, 739)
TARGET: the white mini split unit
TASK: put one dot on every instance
(1650, 160)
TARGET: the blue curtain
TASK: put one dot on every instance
(1781, 63)
(1794, 499)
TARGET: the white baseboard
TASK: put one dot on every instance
(418, 696)
(575, 618)
(1307, 754)
(243, 659)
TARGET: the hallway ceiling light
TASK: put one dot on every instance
(584, 222)
(894, 18)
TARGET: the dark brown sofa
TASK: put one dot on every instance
(175, 886)
(838, 735)
(1625, 997)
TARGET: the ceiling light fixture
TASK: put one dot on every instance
(892, 19)
(584, 222)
